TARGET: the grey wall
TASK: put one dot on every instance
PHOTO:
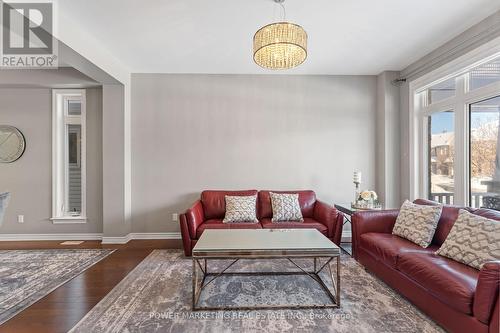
(195, 132)
(64, 77)
(388, 140)
(116, 224)
(29, 178)
(404, 119)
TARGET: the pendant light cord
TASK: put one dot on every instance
(280, 3)
(284, 10)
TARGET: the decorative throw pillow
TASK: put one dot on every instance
(417, 223)
(473, 240)
(241, 209)
(286, 207)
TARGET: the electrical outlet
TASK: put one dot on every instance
(20, 218)
(175, 217)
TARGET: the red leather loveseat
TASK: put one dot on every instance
(458, 297)
(209, 211)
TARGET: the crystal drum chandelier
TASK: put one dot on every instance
(280, 45)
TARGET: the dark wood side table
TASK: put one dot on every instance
(347, 210)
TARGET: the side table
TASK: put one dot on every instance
(347, 210)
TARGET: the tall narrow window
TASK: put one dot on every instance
(484, 180)
(68, 156)
(441, 157)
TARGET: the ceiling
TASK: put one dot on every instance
(346, 37)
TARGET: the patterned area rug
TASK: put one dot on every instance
(28, 275)
(156, 297)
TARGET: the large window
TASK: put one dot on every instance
(484, 153)
(441, 150)
(68, 156)
(456, 147)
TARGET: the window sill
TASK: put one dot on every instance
(69, 220)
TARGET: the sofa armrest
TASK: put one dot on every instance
(194, 218)
(186, 237)
(487, 291)
(371, 221)
(328, 216)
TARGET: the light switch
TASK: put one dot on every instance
(20, 218)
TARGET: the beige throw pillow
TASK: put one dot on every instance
(473, 240)
(417, 223)
(286, 207)
(241, 209)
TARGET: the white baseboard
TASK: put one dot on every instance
(141, 235)
(346, 236)
(84, 237)
(156, 235)
(116, 240)
(49, 237)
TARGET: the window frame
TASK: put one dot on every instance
(60, 161)
(469, 143)
(420, 111)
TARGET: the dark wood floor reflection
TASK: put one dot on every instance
(60, 310)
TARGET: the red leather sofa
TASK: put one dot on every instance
(456, 296)
(209, 211)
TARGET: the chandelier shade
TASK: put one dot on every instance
(280, 45)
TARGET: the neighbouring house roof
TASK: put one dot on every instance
(443, 139)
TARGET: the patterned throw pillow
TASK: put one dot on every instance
(473, 240)
(417, 223)
(241, 209)
(286, 207)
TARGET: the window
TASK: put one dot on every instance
(485, 74)
(442, 90)
(440, 162)
(484, 159)
(68, 156)
(455, 145)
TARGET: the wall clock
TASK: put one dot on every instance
(12, 144)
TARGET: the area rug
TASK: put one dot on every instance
(156, 297)
(28, 275)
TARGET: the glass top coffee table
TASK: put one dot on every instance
(263, 244)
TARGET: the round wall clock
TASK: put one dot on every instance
(12, 144)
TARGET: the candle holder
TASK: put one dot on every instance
(357, 183)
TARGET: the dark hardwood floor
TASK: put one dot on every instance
(60, 310)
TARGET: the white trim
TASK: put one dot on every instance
(69, 220)
(48, 237)
(346, 236)
(90, 236)
(157, 235)
(116, 240)
(59, 122)
(141, 235)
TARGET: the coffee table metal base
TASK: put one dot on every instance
(201, 265)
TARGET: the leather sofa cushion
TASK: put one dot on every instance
(488, 213)
(449, 215)
(388, 247)
(307, 200)
(218, 224)
(451, 282)
(308, 223)
(214, 202)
